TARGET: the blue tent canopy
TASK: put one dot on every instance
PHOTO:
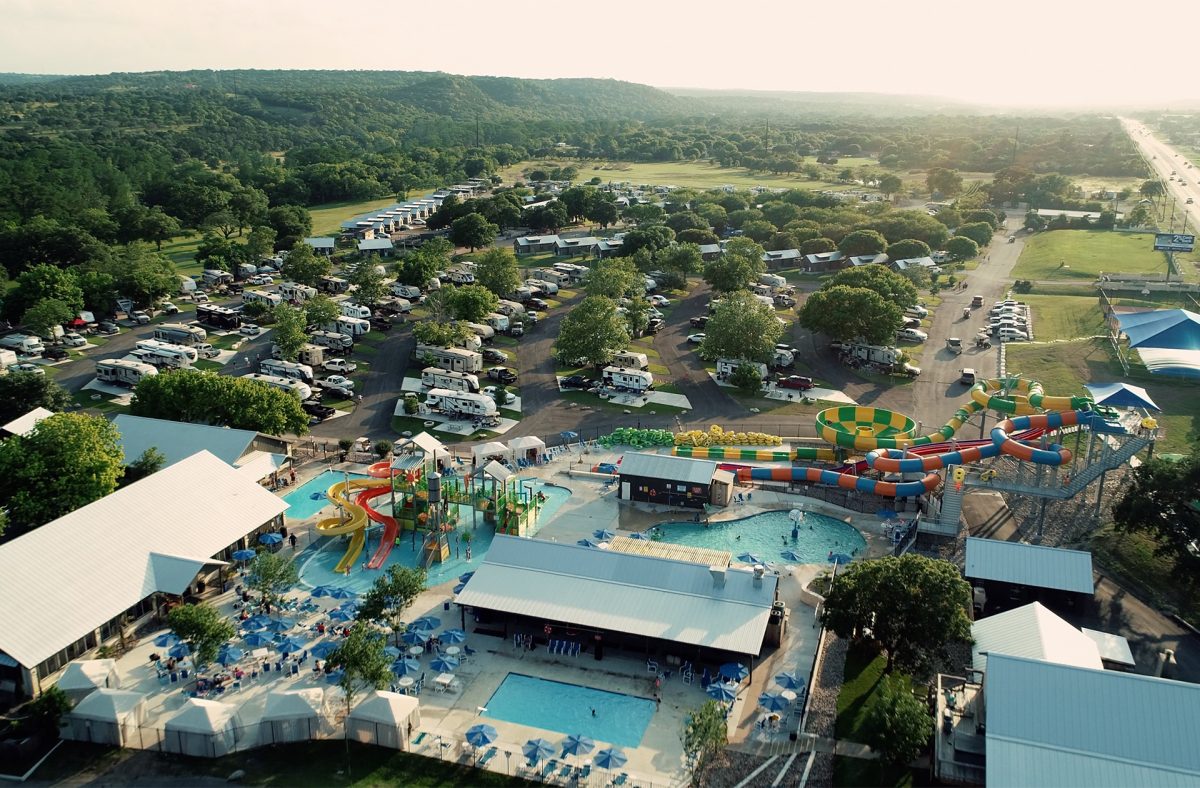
(1120, 395)
(1173, 329)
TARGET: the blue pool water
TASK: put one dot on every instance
(768, 534)
(567, 708)
(302, 505)
(316, 566)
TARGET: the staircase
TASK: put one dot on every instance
(948, 518)
(1108, 460)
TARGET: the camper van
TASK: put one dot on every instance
(180, 334)
(623, 378)
(286, 369)
(496, 322)
(301, 390)
(293, 291)
(172, 355)
(634, 360)
(455, 359)
(726, 366)
(262, 297)
(350, 326)
(462, 403)
(333, 284)
(355, 310)
(436, 377)
(510, 308)
(406, 291)
(123, 372)
(312, 355)
(332, 340)
(550, 275)
(218, 317)
(186, 284)
(772, 280)
(214, 277)
(23, 344)
(545, 285)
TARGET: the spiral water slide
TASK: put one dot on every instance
(354, 517)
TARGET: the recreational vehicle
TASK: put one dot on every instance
(301, 390)
(332, 340)
(627, 359)
(312, 355)
(293, 291)
(173, 355)
(436, 377)
(218, 317)
(123, 372)
(180, 334)
(286, 369)
(461, 403)
(622, 378)
(454, 359)
(262, 297)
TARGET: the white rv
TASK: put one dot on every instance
(312, 355)
(438, 378)
(262, 297)
(461, 403)
(622, 378)
(171, 355)
(350, 326)
(333, 340)
(286, 369)
(726, 366)
(123, 372)
(510, 308)
(406, 291)
(628, 359)
(180, 334)
(773, 280)
(455, 359)
(355, 310)
(294, 291)
(301, 390)
(494, 323)
(24, 344)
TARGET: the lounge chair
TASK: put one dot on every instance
(565, 771)
(584, 772)
(487, 756)
(651, 666)
(620, 779)
(549, 768)
(420, 738)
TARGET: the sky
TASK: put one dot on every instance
(1022, 52)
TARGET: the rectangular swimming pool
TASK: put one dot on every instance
(607, 717)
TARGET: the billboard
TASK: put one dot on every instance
(1169, 242)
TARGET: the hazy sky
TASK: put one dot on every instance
(1022, 51)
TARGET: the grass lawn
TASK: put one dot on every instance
(316, 763)
(182, 252)
(224, 341)
(1132, 557)
(864, 672)
(695, 174)
(1086, 253)
(102, 403)
(208, 365)
(1064, 317)
(327, 218)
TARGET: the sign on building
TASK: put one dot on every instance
(1170, 242)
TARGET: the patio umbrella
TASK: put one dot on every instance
(791, 555)
(321, 591)
(258, 639)
(179, 650)
(428, 623)
(569, 436)
(603, 535)
(610, 758)
(324, 649)
(537, 750)
(444, 664)
(749, 558)
(789, 681)
(337, 592)
(722, 692)
(465, 576)
(256, 622)
(166, 640)
(481, 735)
(341, 614)
(279, 625)
(453, 636)
(270, 539)
(289, 645)
(406, 666)
(638, 535)
(415, 637)
(734, 671)
(586, 543)
(839, 558)
(392, 652)
(773, 702)
(243, 555)
(577, 744)
(228, 655)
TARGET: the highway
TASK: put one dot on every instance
(1177, 174)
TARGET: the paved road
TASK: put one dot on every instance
(1166, 161)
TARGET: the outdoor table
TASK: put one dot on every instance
(453, 651)
(416, 651)
(444, 680)
(788, 695)
(405, 683)
(259, 653)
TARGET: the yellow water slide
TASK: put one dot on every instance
(351, 520)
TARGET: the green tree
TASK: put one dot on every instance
(1160, 502)
(157, 226)
(150, 461)
(45, 315)
(681, 260)
(473, 231)
(909, 249)
(890, 285)
(209, 398)
(289, 333)
(737, 268)
(46, 711)
(652, 237)
(472, 303)
(758, 231)
(391, 595)
(271, 575)
(615, 278)
(890, 184)
(746, 378)
(417, 267)
(39, 283)
(943, 181)
(818, 246)
(291, 223)
(643, 214)
(203, 628)
(705, 733)
(304, 266)
(948, 217)
(591, 333)
(982, 215)
(898, 724)
(843, 312)
(698, 237)
(145, 276)
(320, 310)
(364, 665)
(221, 222)
(961, 247)
(21, 392)
(913, 606)
(1151, 189)
(82, 455)
(497, 270)
(260, 242)
(686, 220)
(742, 327)
(428, 332)
(370, 286)
(979, 232)
(862, 242)
(602, 210)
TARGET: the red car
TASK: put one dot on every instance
(798, 382)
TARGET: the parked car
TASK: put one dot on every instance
(55, 353)
(798, 382)
(339, 391)
(577, 382)
(339, 365)
(1007, 334)
(250, 330)
(25, 366)
(658, 300)
(168, 308)
(967, 376)
(497, 356)
(509, 397)
(341, 381)
(140, 317)
(655, 325)
(699, 322)
(317, 410)
(107, 327)
(200, 297)
(71, 339)
(695, 339)
(502, 374)
(911, 335)
(537, 303)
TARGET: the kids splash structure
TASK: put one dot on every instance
(353, 498)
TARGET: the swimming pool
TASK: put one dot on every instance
(302, 505)
(567, 708)
(766, 535)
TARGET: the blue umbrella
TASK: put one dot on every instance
(773, 702)
(586, 543)
(577, 744)
(453, 636)
(792, 681)
(722, 692)
(749, 558)
(638, 535)
(734, 671)
(791, 555)
(839, 558)
(569, 436)
(341, 614)
(228, 655)
(257, 639)
(415, 637)
(334, 677)
(179, 650)
(279, 625)
(610, 758)
(537, 750)
(392, 652)
(444, 664)
(481, 735)
(256, 622)
(337, 592)
(321, 591)
(603, 535)
(406, 666)
(166, 640)
(289, 645)
(428, 623)
(243, 555)
(324, 649)
(465, 576)
(270, 539)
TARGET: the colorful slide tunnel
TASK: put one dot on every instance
(759, 455)
(354, 516)
(1022, 397)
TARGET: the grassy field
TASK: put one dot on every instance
(864, 672)
(1084, 254)
(1132, 556)
(1064, 317)
(695, 174)
(327, 218)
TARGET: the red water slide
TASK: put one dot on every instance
(391, 529)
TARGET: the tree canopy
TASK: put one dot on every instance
(737, 268)
(203, 628)
(305, 266)
(391, 595)
(472, 302)
(1160, 502)
(742, 327)
(848, 313)
(288, 332)
(209, 398)
(21, 392)
(497, 270)
(591, 333)
(271, 575)
(473, 230)
(887, 283)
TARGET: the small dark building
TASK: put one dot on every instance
(672, 481)
(1006, 575)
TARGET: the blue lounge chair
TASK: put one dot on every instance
(183, 674)
(565, 771)
(620, 779)
(487, 756)
(468, 650)
(420, 738)
(174, 678)
(549, 768)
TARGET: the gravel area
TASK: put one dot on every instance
(735, 766)
(823, 705)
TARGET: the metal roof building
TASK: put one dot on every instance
(24, 424)
(1066, 726)
(651, 599)
(665, 466)
(1029, 565)
(69, 579)
(1032, 631)
(178, 440)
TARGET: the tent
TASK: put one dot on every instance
(84, 676)
(291, 715)
(1172, 329)
(1120, 395)
(202, 728)
(1177, 363)
(527, 447)
(107, 716)
(385, 719)
(424, 444)
(481, 453)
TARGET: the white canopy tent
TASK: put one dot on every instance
(481, 453)
(202, 728)
(107, 716)
(385, 719)
(291, 715)
(528, 447)
(83, 677)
